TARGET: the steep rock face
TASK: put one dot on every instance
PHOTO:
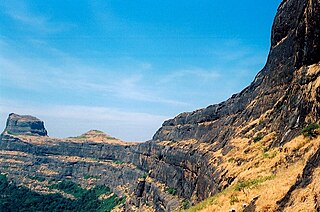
(295, 43)
(118, 166)
(25, 125)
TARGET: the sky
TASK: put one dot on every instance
(126, 66)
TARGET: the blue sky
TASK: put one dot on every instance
(125, 66)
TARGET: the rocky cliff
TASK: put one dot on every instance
(295, 45)
(93, 158)
(24, 125)
(234, 152)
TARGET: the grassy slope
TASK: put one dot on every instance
(267, 173)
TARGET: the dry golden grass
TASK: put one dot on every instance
(269, 173)
(11, 161)
(305, 199)
(38, 140)
(7, 152)
(87, 137)
(45, 170)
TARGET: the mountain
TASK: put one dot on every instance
(257, 151)
(96, 136)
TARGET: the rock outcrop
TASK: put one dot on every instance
(119, 165)
(295, 45)
(24, 125)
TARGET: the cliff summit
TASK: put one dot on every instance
(24, 125)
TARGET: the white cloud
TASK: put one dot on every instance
(75, 75)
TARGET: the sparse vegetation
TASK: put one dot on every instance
(243, 184)
(90, 176)
(186, 204)
(78, 137)
(144, 176)
(231, 160)
(233, 199)
(11, 133)
(311, 130)
(172, 191)
(119, 162)
(258, 138)
(40, 179)
(69, 187)
(268, 155)
(205, 203)
(251, 127)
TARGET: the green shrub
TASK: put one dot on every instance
(268, 155)
(11, 133)
(233, 199)
(119, 162)
(231, 160)
(145, 175)
(87, 176)
(186, 204)
(243, 184)
(172, 191)
(78, 137)
(310, 130)
(258, 138)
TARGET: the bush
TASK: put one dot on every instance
(172, 191)
(69, 187)
(231, 160)
(119, 162)
(87, 176)
(145, 175)
(310, 130)
(233, 199)
(258, 138)
(186, 204)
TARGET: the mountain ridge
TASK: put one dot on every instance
(289, 37)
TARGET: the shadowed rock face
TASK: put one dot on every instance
(25, 125)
